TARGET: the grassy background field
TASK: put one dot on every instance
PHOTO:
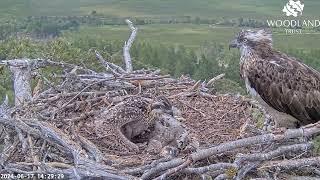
(129, 8)
(186, 34)
(191, 35)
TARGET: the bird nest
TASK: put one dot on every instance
(56, 132)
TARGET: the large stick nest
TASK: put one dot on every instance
(57, 132)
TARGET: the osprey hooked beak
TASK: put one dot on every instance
(234, 44)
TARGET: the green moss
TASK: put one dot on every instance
(316, 142)
(231, 172)
(258, 116)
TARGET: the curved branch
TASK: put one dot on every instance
(127, 46)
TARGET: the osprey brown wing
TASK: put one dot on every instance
(287, 85)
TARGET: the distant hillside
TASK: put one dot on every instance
(123, 8)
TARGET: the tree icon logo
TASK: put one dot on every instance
(293, 8)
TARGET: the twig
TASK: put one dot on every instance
(213, 80)
(196, 86)
(22, 139)
(116, 70)
(77, 95)
(198, 111)
(33, 155)
(222, 177)
(144, 78)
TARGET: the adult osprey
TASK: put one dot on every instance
(283, 82)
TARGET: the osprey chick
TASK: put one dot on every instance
(283, 82)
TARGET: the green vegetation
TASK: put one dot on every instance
(191, 35)
(316, 143)
(148, 8)
(178, 36)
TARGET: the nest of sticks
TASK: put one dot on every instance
(55, 132)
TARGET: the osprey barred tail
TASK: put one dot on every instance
(283, 82)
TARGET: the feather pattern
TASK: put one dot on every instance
(283, 82)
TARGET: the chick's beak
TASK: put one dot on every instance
(233, 44)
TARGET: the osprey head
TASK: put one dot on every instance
(252, 38)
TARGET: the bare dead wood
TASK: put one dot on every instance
(84, 170)
(127, 46)
(21, 70)
(222, 177)
(245, 163)
(144, 168)
(42, 63)
(91, 148)
(84, 166)
(262, 139)
(116, 70)
(162, 167)
(212, 167)
(144, 78)
(84, 89)
(196, 86)
(32, 152)
(7, 151)
(22, 139)
(291, 164)
(213, 80)
(4, 107)
(241, 158)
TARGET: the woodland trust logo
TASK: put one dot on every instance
(293, 9)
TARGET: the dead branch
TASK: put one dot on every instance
(21, 71)
(224, 147)
(213, 80)
(127, 46)
(4, 107)
(162, 167)
(291, 164)
(84, 166)
(212, 167)
(116, 70)
(245, 163)
(147, 167)
(272, 154)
